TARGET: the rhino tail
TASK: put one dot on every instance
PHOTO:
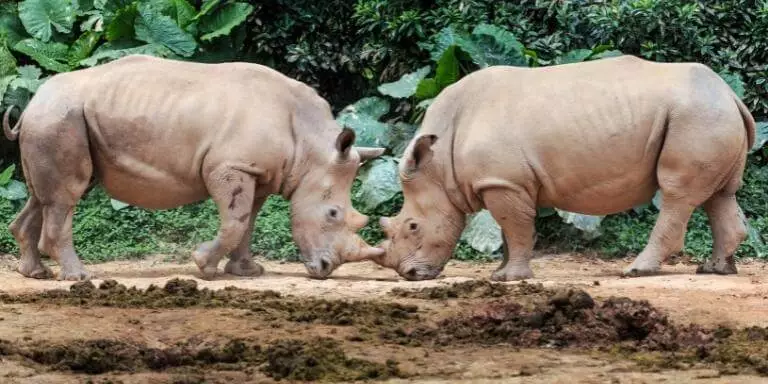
(11, 133)
(749, 121)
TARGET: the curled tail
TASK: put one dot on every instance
(11, 133)
(749, 121)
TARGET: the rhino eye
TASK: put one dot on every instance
(333, 213)
(413, 226)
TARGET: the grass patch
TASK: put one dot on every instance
(102, 233)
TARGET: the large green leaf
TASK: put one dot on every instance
(7, 174)
(444, 39)
(222, 21)
(380, 182)
(482, 233)
(82, 47)
(116, 50)
(574, 56)
(181, 11)
(406, 86)
(94, 22)
(11, 27)
(447, 71)
(156, 28)
(493, 45)
(206, 8)
(122, 24)
(606, 54)
(51, 56)
(118, 205)
(588, 224)
(41, 17)
(734, 81)
(14, 190)
(427, 89)
(7, 61)
(363, 117)
(761, 135)
(29, 78)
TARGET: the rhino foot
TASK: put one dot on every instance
(512, 274)
(74, 274)
(725, 266)
(202, 258)
(633, 271)
(35, 270)
(641, 267)
(244, 267)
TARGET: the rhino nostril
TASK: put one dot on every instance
(324, 264)
(411, 273)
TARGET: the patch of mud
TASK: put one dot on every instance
(180, 293)
(571, 318)
(318, 359)
(322, 359)
(472, 289)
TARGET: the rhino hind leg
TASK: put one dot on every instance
(26, 229)
(729, 229)
(58, 168)
(515, 213)
(240, 260)
(233, 193)
(667, 237)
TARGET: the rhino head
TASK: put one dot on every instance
(324, 222)
(421, 238)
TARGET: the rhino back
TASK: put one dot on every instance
(155, 125)
(583, 137)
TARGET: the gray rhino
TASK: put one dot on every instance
(160, 133)
(595, 138)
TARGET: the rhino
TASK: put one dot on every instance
(597, 138)
(160, 133)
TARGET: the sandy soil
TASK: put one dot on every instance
(734, 301)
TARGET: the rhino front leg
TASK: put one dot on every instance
(666, 238)
(729, 229)
(240, 260)
(515, 212)
(232, 191)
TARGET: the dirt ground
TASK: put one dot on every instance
(353, 326)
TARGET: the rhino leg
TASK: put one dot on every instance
(729, 229)
(515, 213)
(233, 193)
(59, 169)
(240, 260)
(26, 229)
(666, 238)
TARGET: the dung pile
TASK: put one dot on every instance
(316, 359)
(180, 293)
(472, 289)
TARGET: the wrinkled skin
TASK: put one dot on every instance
(595, 138)
(159, 134)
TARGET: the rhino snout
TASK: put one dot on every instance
(319, 268)
(419, 273)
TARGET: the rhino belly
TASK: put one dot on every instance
(153, 189)
(602, 196)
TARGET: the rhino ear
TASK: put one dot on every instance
(344, 142)
(421, 153)
(368, 153)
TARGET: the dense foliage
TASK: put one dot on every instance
(393, 57)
